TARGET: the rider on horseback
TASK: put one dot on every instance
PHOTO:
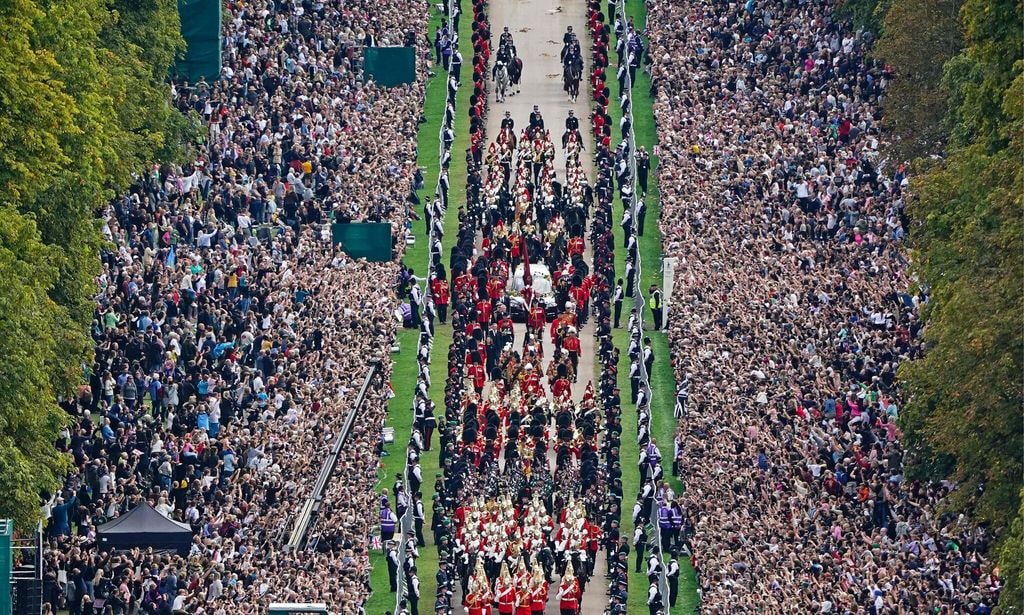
(572, 64)
(569, 41)
(500, 75)
(506, 42)
(507, 55)
(572, 126)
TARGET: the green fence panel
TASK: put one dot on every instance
(6, 563)
(389, 66)
(369, 240)
(200, 27)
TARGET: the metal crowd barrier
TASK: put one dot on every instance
(406, 522)
(640, 302)
(311, 509)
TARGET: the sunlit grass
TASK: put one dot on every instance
(400, 416)
(662, 380)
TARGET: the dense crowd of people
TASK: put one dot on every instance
(232, 336)
(792, 309)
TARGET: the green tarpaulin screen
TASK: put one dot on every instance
(389, 66)
(6, 532)
(369, 240)
(200, 27)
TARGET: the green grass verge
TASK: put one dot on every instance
(662, 380)
(400, 419)
(428, 153)
(427, 564)
(405, 371)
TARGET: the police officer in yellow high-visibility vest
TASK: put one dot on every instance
(656, 306)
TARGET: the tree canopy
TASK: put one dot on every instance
(963, 419)
(85, 104)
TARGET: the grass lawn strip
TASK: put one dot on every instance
(662, 378)
(400, 415)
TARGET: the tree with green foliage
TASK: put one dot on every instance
(866, 15)
(84, 104)
(966, 391)
(32, 329)
(963, 417)
(918, 37)
(978, 78)
(1011, 562)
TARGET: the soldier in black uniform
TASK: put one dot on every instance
(572, 125)
(643, 168)
(508, 122)
(505, 42)
(536, 121)
(445, 582)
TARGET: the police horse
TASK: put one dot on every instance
(501, 81)
(515, 74)
(572, 73)
(513, 65)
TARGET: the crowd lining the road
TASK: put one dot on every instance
(231, 336)
(791, 310)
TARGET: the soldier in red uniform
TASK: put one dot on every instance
(535, 321)
(442, 295)
(576, 246)
(531, 380)
(538, 591)
(505, 593)
(479, 375)
(594, 536)
(579, 297)
(465, 284)
(571, 343)
(561, 388)
(569, 593)
(515, 241)
(495, 290)
(484, 309)
(478, 599)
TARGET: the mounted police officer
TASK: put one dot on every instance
(506, 43)
(572, 125)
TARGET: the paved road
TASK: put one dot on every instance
(537, 27)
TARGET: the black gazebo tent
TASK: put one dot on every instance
(144, 527)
